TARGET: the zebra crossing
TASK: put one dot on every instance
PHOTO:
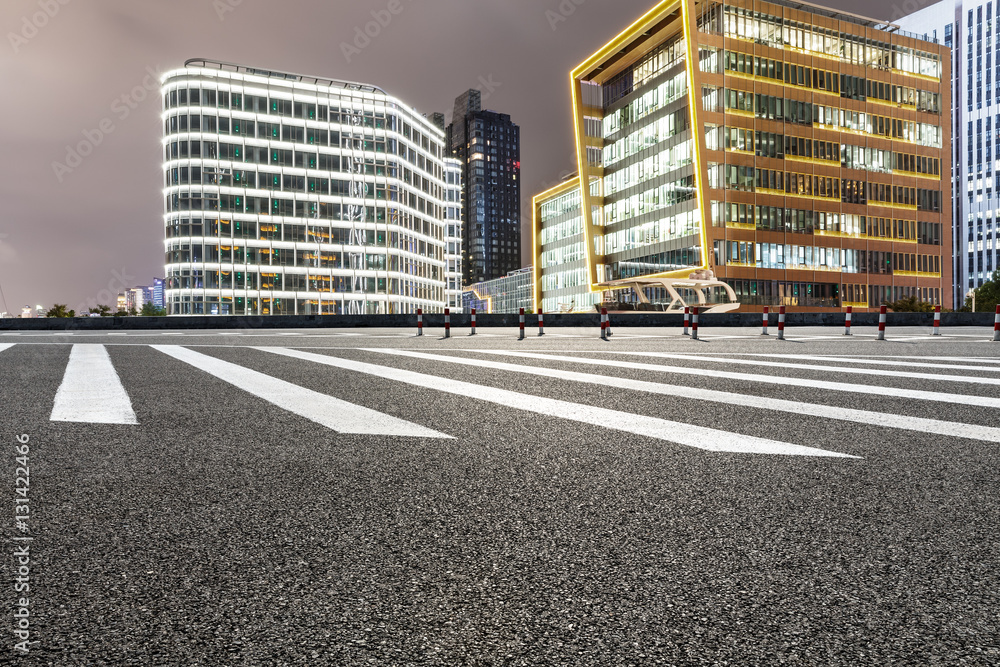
(91, 391)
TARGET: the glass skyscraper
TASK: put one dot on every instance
(295, 195)
(489, 146)
(798, 153)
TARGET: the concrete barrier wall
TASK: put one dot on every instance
(461, 320)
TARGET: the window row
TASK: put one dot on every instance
(790, 220)
(228, 203)
(805, 113)
(645, 137)
(780, 33)
(262, 180)
(653, 199)
(192, 97)
(294, 282)
(296, 134)
(399, 236)
(795, 75)
(303, 159)
(196, 253)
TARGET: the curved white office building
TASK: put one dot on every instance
(293, 195)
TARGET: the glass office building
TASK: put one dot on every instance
(453, 233)
(294, 195)
(968, 29)
(506, 295)
(797, 152)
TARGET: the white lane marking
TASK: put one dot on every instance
(338, 415)
(878, 362)
(810, 367)
(903, 422)
(915, 394)
(6, 346)
(91, 391)
(978, 360)
(700, 437)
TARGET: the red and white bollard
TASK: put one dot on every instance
(694, 324)
(447, 322)
(687, 320)
(541, 323)
(937, 321)
(420, 321)
(767, 312)
(847, 320)
(881, 323)
(996, 326)
(473, 321)
(604, 323)
(781, 323)
(522, 324)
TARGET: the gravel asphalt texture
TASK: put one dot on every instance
(223, 530)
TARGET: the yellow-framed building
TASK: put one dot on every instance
(808, 168)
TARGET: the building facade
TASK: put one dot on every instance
(505, 295)
(488, 144)
(289, 194)
(967, 28)
(808, 167)
(453, 233)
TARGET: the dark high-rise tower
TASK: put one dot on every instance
(489, 146)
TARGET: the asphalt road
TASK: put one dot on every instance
(366, 497)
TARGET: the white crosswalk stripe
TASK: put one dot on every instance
(335, 414)
(828, 369)
(91, 391)
(729, 398)
(690, 435)
(884, 362)
(915, 394)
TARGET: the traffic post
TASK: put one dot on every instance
(937, 321)
(541, 323)
(881, 323)
(694, 324)
(447, 322)
(521, 318)
(687, 319)
(996, 326)
(473, 322)
(847, 320)
(604, 323)
(420, 321)
(781, 323)
(766, 317)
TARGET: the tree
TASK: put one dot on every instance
(987, 295)
(59, 310)
(149, 310)
(103, 311)
(910, 304)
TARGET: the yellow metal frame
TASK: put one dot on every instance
(629, 35)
